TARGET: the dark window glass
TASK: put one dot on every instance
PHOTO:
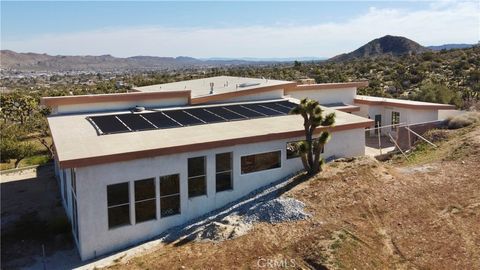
(223, 162)
(74, 180)
(170, 205)
(118, 216)
(292, 150)
(144, 189)
(145, 210)
(260, 162)
(145, 201)
(169, 195)
(118, 205)
(197, 184)
(169, 185)
(196, 166)
(224, 181)
(223, 171)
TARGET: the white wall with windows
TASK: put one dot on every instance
(406, 115)
(124, 203)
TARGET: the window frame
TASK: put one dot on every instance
(128, 203)
(154, 199)
(397, 120)
(259, 153)
(223, 172)
(73, 182)
(160, 197)
(189, 177)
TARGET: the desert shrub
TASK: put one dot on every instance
(463, 120)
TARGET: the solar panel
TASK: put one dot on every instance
(244, 111)
(183, 118)
(135, 121)
(206, 116)
(109, 124)
(277, 107)
(224, 113)
(160, 120)
(263, 110)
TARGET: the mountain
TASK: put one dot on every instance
(451, 46)
(271, 59)
(44, 62)
(387, 45)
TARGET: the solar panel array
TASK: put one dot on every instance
(118, 123)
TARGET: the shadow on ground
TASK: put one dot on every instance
(33, 218)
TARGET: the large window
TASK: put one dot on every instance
(169, 195)
(395, 120)
(118, 205)
(74, 202)
(145, 200)
(223, 168)
(260, 162)
(197, 184)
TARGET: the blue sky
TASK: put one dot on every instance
(229, 29)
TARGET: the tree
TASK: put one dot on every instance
(12, 147)
(310, 149)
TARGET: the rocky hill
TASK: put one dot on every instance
(387, 45)
(44, 62)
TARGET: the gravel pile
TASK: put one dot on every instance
(276, 211)
(237, 218)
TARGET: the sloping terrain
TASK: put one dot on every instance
(420, 214)
(387, 45)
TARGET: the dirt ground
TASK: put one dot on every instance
(420, 214)
(32, 216)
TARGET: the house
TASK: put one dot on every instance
(132, 165)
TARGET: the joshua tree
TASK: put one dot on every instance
(311, 148)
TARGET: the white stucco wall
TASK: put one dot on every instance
(326, 96)
(115, 106)
(97, 239)
(407, 116)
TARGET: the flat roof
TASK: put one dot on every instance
(403, 103)
(221, 85)
(78, 144)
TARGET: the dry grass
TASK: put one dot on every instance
(366, 215)
(463, 120)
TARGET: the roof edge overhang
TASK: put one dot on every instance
(432, 106)
(326, 86)
(82, 162)
(119, 97)
(223, 96)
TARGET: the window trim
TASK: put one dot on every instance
(169, 195)
(263, 152)
(230, 171)
(196, 176)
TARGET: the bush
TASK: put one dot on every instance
(463, 120)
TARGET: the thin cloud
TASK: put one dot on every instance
(443, 23)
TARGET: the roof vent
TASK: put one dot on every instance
(138, 109)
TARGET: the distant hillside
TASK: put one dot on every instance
(44, 62)
(450, 46)
(387, 45)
